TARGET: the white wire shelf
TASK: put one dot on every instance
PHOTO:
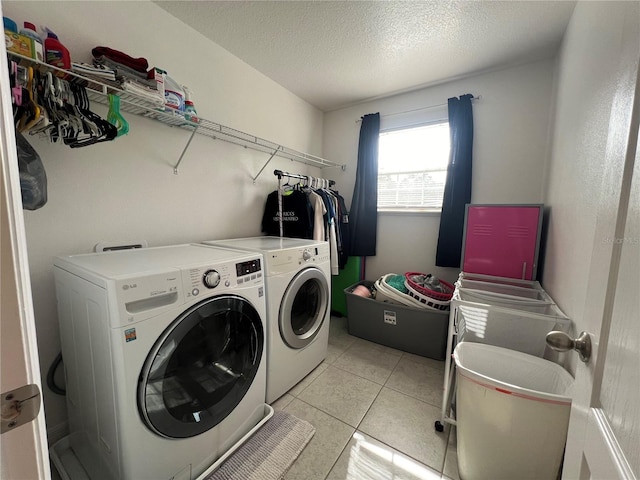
(130, 102)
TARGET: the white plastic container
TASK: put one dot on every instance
(516, 282)
(520, 326)
(512, 413)
(386, 293)
(497, 286)
(501, 300)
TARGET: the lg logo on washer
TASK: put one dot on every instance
(127, 286)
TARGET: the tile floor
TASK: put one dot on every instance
(373, 408)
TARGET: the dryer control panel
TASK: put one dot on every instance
(291, 259)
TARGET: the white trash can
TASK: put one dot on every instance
(512, 413)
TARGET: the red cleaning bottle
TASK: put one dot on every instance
(56, 53)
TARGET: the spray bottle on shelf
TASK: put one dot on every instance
(190, 113)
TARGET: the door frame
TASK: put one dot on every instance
(25, 450)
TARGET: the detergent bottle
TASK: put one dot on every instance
(56, 53)
(29, 30)
(9, 25)
(189, 108)
(173, 94)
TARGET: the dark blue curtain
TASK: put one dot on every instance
(457, 190)
(363, 217)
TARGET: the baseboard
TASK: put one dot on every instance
(57, 433)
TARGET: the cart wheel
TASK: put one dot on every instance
(439, 426)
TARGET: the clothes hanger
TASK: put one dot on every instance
(99, 129)
(115, 117)
(287, 188)
(32, 112)
(15, 84)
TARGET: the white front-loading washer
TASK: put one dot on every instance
(298, 276)
(164, 354)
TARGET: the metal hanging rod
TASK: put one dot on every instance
(418, 109)
(280, 174)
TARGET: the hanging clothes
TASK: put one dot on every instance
(333, 235)
(297, 215)
(343, 229)
(319, 214)
(309, 210)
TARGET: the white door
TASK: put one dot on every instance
(24, 453)
(604, 431)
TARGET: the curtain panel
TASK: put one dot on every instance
(457, 190)
(363, 217)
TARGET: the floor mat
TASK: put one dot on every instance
(269, 453)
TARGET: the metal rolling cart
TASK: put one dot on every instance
(505, 312)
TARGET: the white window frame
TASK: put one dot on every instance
(399, 125)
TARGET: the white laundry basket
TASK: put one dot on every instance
(512, 413)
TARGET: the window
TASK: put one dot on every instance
(412, 168)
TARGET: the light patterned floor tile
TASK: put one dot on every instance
(306, 381)
(419, 377)
(368, 360)
(430, 362)
(282, 402)
(406, 424)
(341, 394)
(451, 460)
(339, 339)
(330, 438)
(367, 458)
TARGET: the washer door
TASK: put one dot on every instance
(201, 367)
(303, 307)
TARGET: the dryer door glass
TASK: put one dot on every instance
(201, 367)
(304, 307)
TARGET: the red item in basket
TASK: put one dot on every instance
(418, 281)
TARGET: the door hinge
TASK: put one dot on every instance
(19, 406)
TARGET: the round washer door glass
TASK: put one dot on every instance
(201, 367)
(303, 307)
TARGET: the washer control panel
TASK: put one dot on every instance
(211, 278)
(198, 281)
(249, 271)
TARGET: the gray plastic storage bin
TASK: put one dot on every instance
(413, 330)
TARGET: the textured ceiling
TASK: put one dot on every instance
(337, 53)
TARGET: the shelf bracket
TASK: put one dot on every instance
(267, 163)
(175, 168)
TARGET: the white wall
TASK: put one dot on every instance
(126, 189)
(586, 85)
(511, 124)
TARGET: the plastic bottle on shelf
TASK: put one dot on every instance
(16, 42)
(9, 25)
(29, 30)
(56, 53)
(190, 113)
(173, 94)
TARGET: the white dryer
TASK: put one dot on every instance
(164, 357)
(298, 276)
